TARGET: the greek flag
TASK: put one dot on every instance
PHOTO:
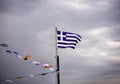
(67, 39)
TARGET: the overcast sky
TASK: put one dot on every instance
(28, 26)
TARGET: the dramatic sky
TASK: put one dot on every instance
(28, 26)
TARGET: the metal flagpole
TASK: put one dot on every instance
(57, 59)
(1, 51)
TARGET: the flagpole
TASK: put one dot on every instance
(1, 51)
(57, 59)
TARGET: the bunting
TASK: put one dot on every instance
(10, 80)
(34, 62)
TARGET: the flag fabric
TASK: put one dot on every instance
(19, 77)
(4, 45)
(8, 51)
(67, 39)
(47, 66)
(20, 57)
(27, 57)
(35, 62)
(16, 53)
(8, 81)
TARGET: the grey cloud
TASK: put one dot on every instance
(77, 18)
(93, 74)
(112, 71)
(18, 6)
(114, 33)
(116, 11)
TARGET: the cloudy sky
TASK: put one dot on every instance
(28, 26)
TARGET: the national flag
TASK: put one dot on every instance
(47, 66)
(67, 39)
(16, 53)
(27, 57)
(4, 45)
(8, 81)
(20, 57)
(35, 62)
(19, 77)
(8, 51)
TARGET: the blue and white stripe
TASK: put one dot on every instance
(67, 39)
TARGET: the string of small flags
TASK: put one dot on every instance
(10, 80)
(27, 57)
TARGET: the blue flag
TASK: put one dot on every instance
(8, 51)
(67, 39)
(16, 53)
(4, 45)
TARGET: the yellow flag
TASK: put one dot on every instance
(27, 57)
